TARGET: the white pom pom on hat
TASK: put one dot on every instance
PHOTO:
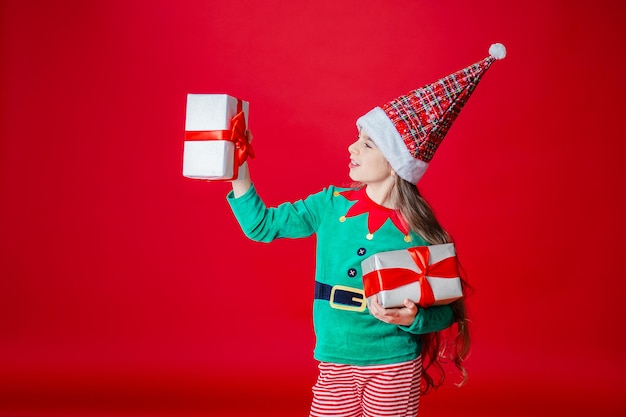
(497, 50)
(409, 129)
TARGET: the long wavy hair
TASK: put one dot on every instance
(450, 345)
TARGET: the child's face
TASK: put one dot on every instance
(367, 163)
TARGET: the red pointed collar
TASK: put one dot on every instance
(377, 214)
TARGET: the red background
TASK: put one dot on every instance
(127, 289)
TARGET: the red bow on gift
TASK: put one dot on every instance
(236, 134)
(391, 278)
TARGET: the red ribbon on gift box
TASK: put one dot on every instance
(236, 134)
(390, 278)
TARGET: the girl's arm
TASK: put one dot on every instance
(263, 224)
(242, 185)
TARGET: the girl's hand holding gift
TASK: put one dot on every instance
(403, 316)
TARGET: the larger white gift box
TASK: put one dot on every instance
(426, 275)
(211, 159)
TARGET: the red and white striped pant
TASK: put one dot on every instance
(367, 391)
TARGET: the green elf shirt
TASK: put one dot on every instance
(349, 227)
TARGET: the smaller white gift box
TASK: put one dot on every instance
(214, 126)
(426, 275)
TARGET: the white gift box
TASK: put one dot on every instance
(427, 275)
(212, 159)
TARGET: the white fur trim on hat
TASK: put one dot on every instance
(384, 134)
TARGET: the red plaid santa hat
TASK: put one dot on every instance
(409, 129)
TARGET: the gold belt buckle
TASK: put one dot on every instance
(362, 300)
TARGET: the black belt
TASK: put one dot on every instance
(341, 297)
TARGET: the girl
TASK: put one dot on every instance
(374, 361)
